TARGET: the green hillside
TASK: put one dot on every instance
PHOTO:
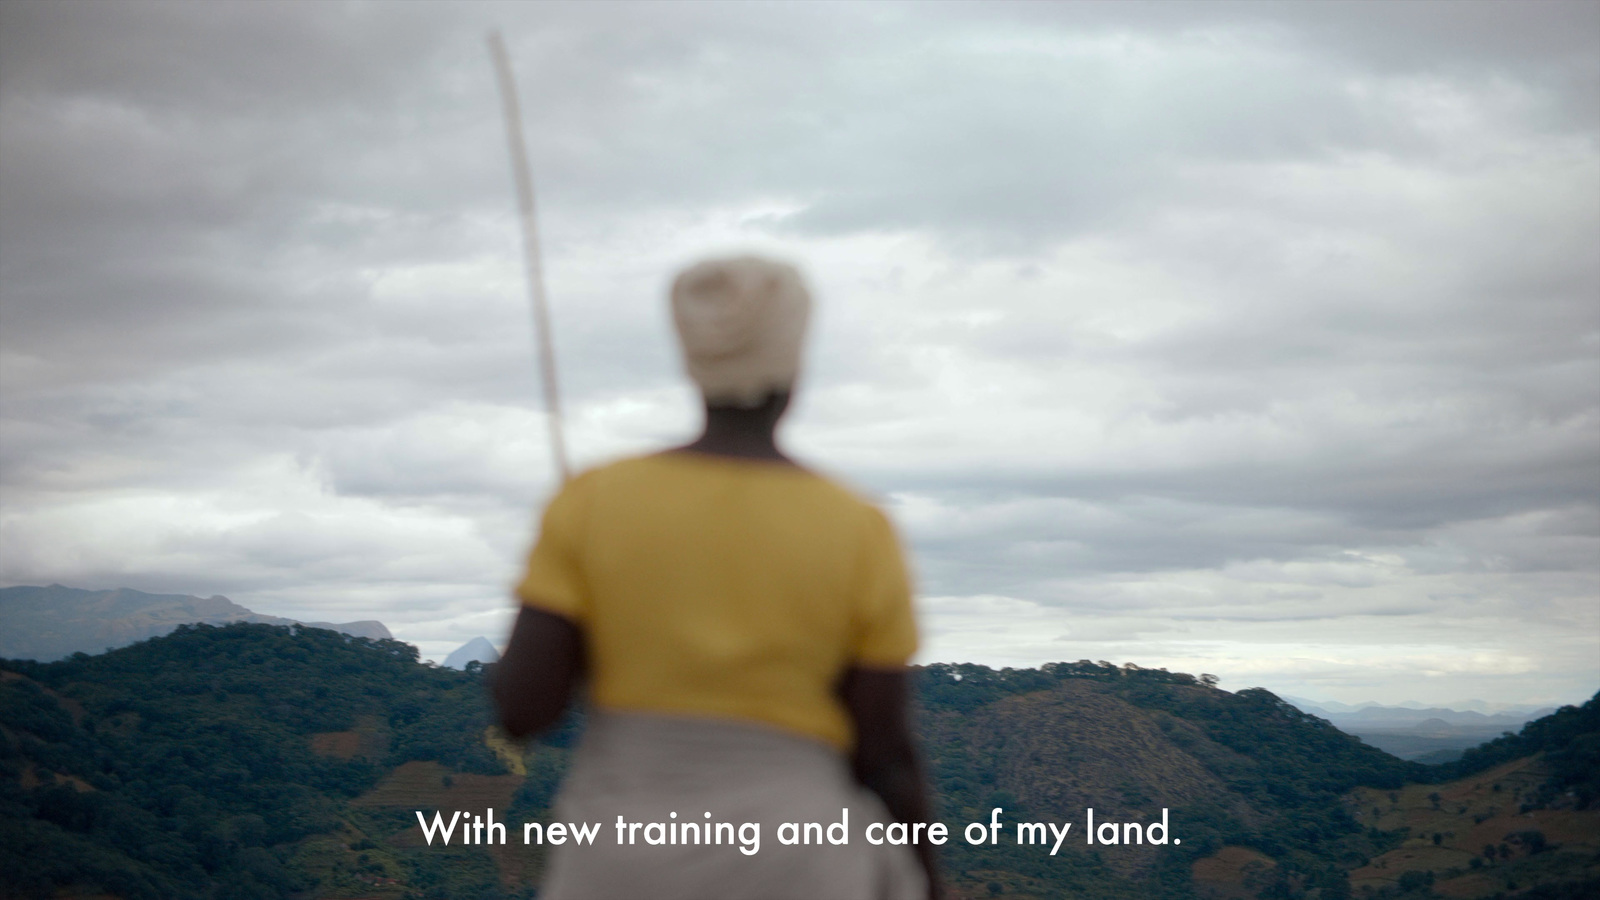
(189, 765)
(1269, 801)
(1233, 769)
(255, 761)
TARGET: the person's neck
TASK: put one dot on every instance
(743, 433)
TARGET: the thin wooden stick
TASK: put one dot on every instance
(530, 249)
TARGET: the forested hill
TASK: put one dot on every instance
(189, 765)
(1239, 769)
(255, 761)
(1265, 793)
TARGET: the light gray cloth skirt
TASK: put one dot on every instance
(644, 768)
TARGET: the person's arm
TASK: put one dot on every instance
(885, 759)
(536, 678)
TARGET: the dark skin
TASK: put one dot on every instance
(545, 662)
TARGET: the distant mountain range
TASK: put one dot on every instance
(50, 623)
(1422, 734)
(1474, 705)
(477, 650)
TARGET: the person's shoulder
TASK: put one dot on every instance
(818, 485)
(846, 495)
(591, 478)
(619, 467)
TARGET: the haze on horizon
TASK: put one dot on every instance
(1254, 339)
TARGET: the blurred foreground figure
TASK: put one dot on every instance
(742, 626)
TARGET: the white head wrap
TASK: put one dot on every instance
(741, 322)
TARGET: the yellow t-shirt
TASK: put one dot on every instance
(723, 587)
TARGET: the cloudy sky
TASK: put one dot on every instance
(1259, 340)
